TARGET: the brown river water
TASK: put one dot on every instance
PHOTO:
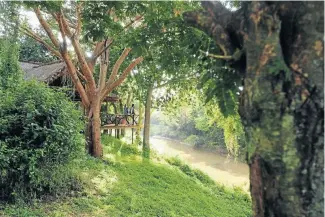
(218, 167)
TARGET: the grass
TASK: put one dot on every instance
(124, 185)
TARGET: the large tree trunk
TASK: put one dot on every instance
(93, 131)
(146, 130)
(282, 103)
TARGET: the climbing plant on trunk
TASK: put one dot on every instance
(81, 69)
(277, 48)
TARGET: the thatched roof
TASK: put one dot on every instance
(43, 72)
(49, 72)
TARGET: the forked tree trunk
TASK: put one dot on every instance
(282, 103)
(146, 130)
(91, 93)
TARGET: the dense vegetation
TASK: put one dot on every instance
(39, 135)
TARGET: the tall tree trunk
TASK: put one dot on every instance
(282, 103)
(96, 134)
(146, 130)
(93, 130)
(138, 130)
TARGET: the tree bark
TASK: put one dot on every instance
(146, 130)
(282, 102)
(138, 130)
(93, 129)
(96, 134)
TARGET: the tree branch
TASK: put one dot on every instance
(217, 56)
(133, 21)
(217, 21)
(236, 56)
(98, 53)
(82, 60)
(109, 88)
(116, 66)
(40, 40)
(92, 61)
(78, 15)
(81, 76)
(72, 69)
(46, 27)
(104, 64)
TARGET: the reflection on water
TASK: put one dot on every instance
(219, 168)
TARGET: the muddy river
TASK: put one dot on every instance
(219, 168)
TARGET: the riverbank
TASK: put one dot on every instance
(220, 168)
(125, 185)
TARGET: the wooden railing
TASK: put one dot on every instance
(119, 119)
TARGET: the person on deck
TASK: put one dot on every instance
(132, 110)
(125, 109)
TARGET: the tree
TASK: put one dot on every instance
(10, 73)
(277, 49)
(159, 39)
(92, 88)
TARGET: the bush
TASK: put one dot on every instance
(192, 140)
(116, 146)
(39, 134)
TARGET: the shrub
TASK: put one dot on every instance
(39, 134)
(116, 146)
(192, 140)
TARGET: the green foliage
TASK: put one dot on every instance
(116, 146)
(49, 6)
(232, 127)
(186, 117)
(192, 140)
(10, 73)
(30, 50)
(9, 20)
(39, 132)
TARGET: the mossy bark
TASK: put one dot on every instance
(282, 102)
